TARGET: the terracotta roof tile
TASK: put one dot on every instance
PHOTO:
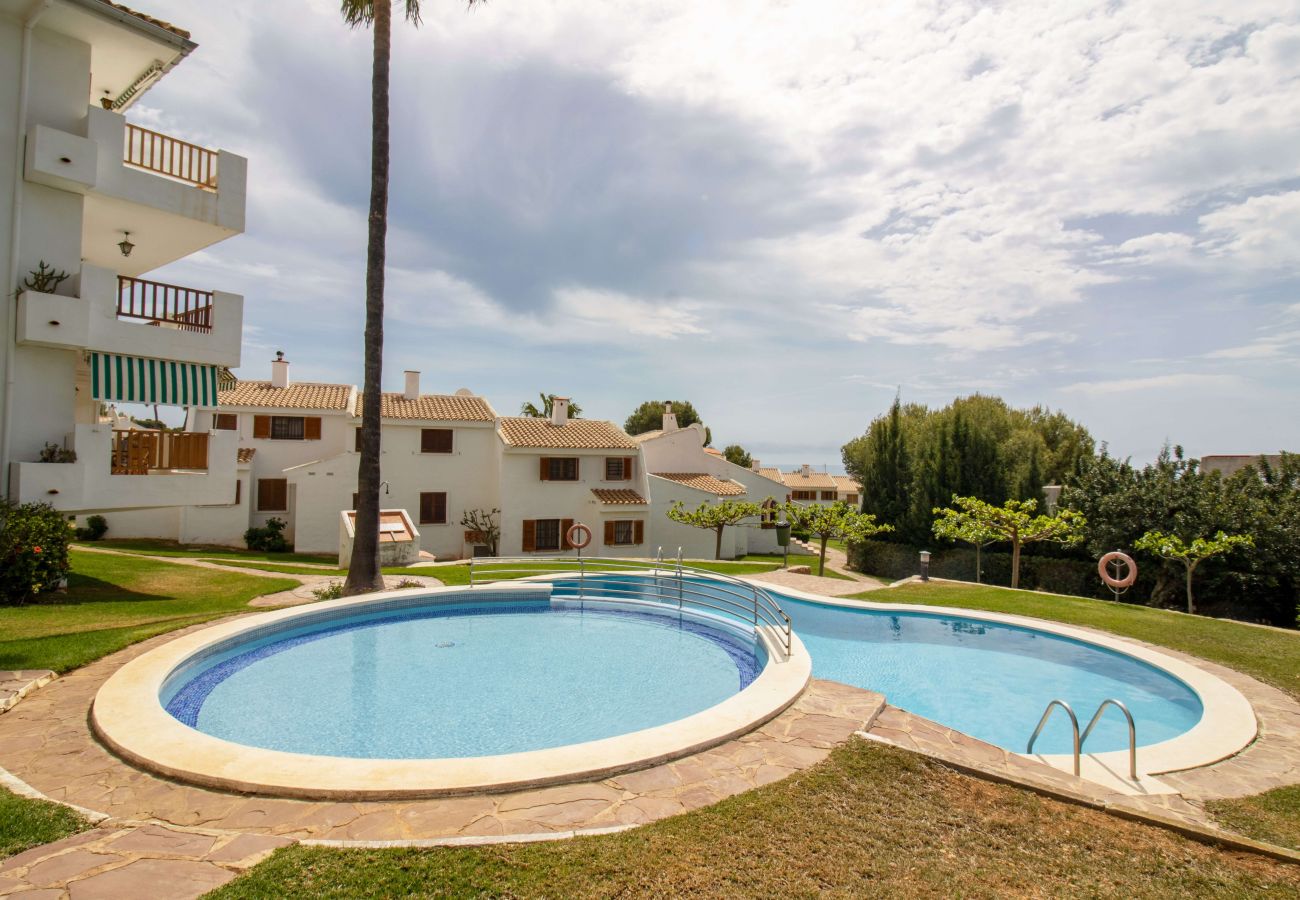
(245, 454)
(442, 407)
(576, 434)
(647, 435)
(774, 474)
(144, 17)
(702, 481)
(298, 395)
(845, 483)
(619, 496)
(812, 480)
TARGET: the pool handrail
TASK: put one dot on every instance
(1074, 726)
(668, 582)
(1132, 732)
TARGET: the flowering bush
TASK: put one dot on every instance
(33, 550)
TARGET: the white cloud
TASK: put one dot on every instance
(615, 312)
(1174, 381)
(1261, 231)
(1279, 345)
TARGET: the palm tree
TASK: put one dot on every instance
(544, 411)
(363, 569)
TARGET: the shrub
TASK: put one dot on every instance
(269, 538)
(96, 528)
(33, 550)
(331, 591)
(407, 584)
(53, 453)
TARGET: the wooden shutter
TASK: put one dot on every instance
(638, 532)
(565, 525)
(225, 422)
(311, 428)
(272, 494)
(357, 444)
(609, 533)
(530, 535)
(435, 440)
(627, 469)
(546, 468)
(239, 485)
(433, 508)
(261, 426)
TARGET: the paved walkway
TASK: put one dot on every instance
(15, 684)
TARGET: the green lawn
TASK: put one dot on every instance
(113, 601)
(795, 560)
(1273, 817)
(150, 547)
(869, 821)
(28, 823)
(1269, 654)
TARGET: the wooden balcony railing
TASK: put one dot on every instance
(170, 156)
(138, 452)
(158, 303)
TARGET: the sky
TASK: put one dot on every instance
(785, 212)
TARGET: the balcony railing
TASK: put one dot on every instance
(138, 452)
(158, 303)
(170, 156)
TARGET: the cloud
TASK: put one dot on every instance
(1262, 232)
(1279, 345)
(1172, 381)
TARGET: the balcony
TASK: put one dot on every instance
(174, 197)
(118, 469)
(113, 313)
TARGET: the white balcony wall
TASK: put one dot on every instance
(90, 322)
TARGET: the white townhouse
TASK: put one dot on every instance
(87, 193)
(682, 469)
(808, 488)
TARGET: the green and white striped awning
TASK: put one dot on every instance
(135, 379)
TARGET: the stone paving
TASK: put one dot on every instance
(15, 684)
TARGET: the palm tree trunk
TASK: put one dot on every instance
(363, 570)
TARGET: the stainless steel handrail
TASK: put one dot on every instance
(1074, 724)
(680, 584)
(1132, 733)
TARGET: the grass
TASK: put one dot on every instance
(113, 601)
(1273, 817)
(801, 560)
(26, 823)
(217, 553)
(1271, 655)
(869, 821)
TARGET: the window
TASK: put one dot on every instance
(433, 508)
(272, 495)
(287, 428)
(546, 534)
(559, 468)
(625, 532)
(830, 495)
(803, 495)
(225, 422)
(852, 499)
(435, 440)
(618, 468)
(356, 445)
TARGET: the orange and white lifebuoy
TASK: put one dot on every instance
(578, 535)
(1130, 574)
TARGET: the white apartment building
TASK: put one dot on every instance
(86, 192)
(809, 488)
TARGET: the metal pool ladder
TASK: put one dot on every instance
(1092, 723)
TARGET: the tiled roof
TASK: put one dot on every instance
(619, 496)
(774, 474)
(166, 26)
(444, 407)
(298, 395)
(845, 483)
(702, 481)
(713, 450)
(647, 435)
(812, 480)
(575, 434)
(245, 454)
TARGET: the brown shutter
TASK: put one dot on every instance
(638, 531)
(357, 441)
(272, 494)
(530, 535)
(546, 468)
(577, 468)
(435, 440)
(440, 507)
(311, 428)
(627, 467)
(426, 509)
(565, 525)
(609, 533)
(261, 426)
(239, 486)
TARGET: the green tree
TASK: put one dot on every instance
(649, 416)
(886, 482)
(1014, 522)
(835, 520)
(1190, 554)
(548, 404)
(737, 455)
(952, 525)
(715, 517)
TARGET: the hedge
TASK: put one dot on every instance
(33, 551)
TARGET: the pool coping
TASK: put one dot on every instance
(128, 716)
(1227, 725)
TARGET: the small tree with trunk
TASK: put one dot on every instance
(1191, 555)
(715, 517)
(548, 404)
(837, 520)
(1014, 522)
(483, 523)
(953, 526)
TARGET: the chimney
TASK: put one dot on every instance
(670, 418)
(279, 370)
(755, 465)
(806, 470)
(412, 391)
(559, 410)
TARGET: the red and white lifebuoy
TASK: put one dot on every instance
(578, 535)
(1130, 573)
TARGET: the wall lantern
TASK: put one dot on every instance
(125, 244)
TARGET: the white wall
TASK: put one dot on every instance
(695, 543)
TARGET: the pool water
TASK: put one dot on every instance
(463, 681)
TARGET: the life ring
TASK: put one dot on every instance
(1111, 581)
(572, 535)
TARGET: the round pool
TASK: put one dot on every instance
(462, 680)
